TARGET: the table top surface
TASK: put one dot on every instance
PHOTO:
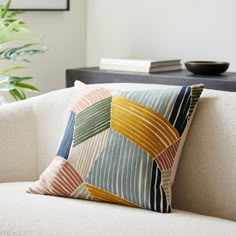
(230, 76)
(90, 75)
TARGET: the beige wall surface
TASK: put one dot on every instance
(64, 35)
(185, 29)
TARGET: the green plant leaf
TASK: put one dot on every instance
(17, 94)
(14, 25)
(25, 46)
(15, 53)
(30, 52)
(6, 8)
(6, 36)
(15, 13)
(6, 87)
(15, 79)
(10, 70)
(13, 29)
(12, 93)
(27, 87)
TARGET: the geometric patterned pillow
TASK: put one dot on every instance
(120, 146)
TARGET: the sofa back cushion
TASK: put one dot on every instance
(206, 177)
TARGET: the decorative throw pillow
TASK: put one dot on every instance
(120, 146)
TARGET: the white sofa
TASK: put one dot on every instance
(204, 191)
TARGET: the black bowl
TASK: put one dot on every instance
(206, 67)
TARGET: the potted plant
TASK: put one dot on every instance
(14, 31)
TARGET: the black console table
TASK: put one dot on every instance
(226, 81)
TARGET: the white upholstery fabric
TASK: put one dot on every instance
(24, 214)
(30, 132)
(52, 112)
(206, 179)
(18, 143)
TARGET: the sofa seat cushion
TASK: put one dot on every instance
(31, 214)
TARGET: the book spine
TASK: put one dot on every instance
(165, 63)
(124, 68)
(166, 68)
(117, 61)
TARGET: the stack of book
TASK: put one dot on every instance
(140, 65)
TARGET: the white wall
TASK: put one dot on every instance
(186, 29)
(64, 35)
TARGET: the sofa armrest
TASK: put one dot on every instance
(18, 143)
(30, 132)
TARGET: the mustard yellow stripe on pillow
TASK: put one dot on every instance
(101, 195)
(142, 125)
